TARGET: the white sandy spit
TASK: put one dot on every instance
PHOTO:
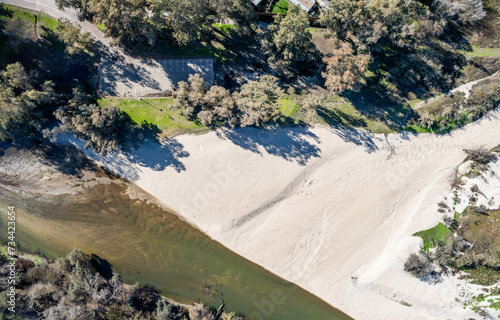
(331, 210)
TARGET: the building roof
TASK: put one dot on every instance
(304, 4)
(256, 2)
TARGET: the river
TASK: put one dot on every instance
(147, 244)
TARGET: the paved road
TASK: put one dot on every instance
(121, 74)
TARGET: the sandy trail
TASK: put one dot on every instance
(465, 88)
(330, 210)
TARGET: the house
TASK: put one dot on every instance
(306, 5)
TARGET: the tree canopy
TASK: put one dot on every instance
(405, 36)
(22, 103)
(144, 22)
(256, 103)
(289, 39)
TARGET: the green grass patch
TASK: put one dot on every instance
(155, 111)
(416, 128)
(348, 115)
(225, 28)
(29, 16)
(334, 111)
(101, 27)
(281, 6)
(483, 52)
(434, 236)
(314, 30)
(495, 305)
(288, 107)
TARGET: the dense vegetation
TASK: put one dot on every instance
(83, 286)
(48, 83)
(451, 111)
(257, 102)
(468, 242)
(371, 57)
(138, 23)
(378, 54)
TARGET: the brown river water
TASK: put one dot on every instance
(147, 244)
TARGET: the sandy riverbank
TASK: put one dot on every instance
(332, 211)
(48, 171)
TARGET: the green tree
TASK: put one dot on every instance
(77, 43)
(22, 105)
(16, 77)
(190, 95)
(80, 5)
(259, 102)
(289, 39)
(218, 105)
(344, 69)
(126, 20)
(103, 129)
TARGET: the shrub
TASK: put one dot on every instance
(480, 155)
(200, 312)
(257, 102)
(418, 265)
(24, 264)
(104, 129)
(143, 298)
(43, 296)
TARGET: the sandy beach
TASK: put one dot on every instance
(331, 210)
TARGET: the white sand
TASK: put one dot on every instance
(339, 226)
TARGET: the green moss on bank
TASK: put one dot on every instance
(434, 236)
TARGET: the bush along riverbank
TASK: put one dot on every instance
(466, 244)
(83, 286)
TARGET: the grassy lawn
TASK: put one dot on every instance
(224, 28)
(314, 29)
(148, 111)
(434, 236)
(28, 16)
(288, 107)
(336, 111)
(483, 52)
(347, 115)
(101, 27)
(281, 6)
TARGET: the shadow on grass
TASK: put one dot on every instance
(338, 117)
(374, 101)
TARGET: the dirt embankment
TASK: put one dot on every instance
(47, 171)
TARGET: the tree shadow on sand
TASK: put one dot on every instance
(67, 159)
(298, 144)
(145, 150)
(149, 153)
(359, 137)
(160, 155)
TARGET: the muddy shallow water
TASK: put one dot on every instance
(147, 244)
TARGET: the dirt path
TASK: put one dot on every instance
(465, 88)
